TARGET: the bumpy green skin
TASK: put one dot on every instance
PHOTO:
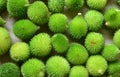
(78, 71)
(96, 4)
(38, 13)
(94, 20)
(56, 6)
(78, 27)
(2, 21)
(96, 65)
(111, 52)
(40, 45)
(77, 54)
(24, 29)
(60, 43)
(116, 38)
(112, 18)
(2, 5)
(57, 66)
(94, 42)
(20, 51)
(5, 41)
(114, 67)
(74, 5)
(33, 68)
(9, 70)
(58, 23)
(17, 8)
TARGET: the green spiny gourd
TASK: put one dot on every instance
(24, 29)
(77, 54)
(78, 27)
(58, 23)
(57, 66)
(33, 68)
(17, 8)
(60, 43)
(96, 65)
(38, 13)
(94, 20)
(94, 42)
(5, 41)
(40, 45)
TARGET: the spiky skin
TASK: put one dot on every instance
(97, 17)
(60, 43)
(5, 41)
(77, 54)
(114, 67)
(24, 29)
(74, 5)
(112, 18)
(2, 21)
(33, 68)
(38, 13)
(20, 51)
(111, 52)
(78, 27)
(17, 8)
(78, 71)
(94, 42)
(9, 70)
(57, 66)
(96, 65)
(95, 4)
(2, 5)
(116, 38)
(40, 45)
(58, 23)
(56, 6)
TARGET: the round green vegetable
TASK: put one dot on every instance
(38, 13)
(5, 41)
(116, 38)
(56, 6)
(96, 65)
(20, 51)
(78, 27)
(40, 45)
(60, 43)
(78, 71)
(2, 5)
(74, 5)
(24, 29)
(57, 66)
(9, 70)
(111, 52)
(94, 42)
(17, 8)
(2, 21)
(96, 4)
(58, 22)
(97, 17)
(33, 68)
(77, 54)
(112, 18)
(114, 67)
